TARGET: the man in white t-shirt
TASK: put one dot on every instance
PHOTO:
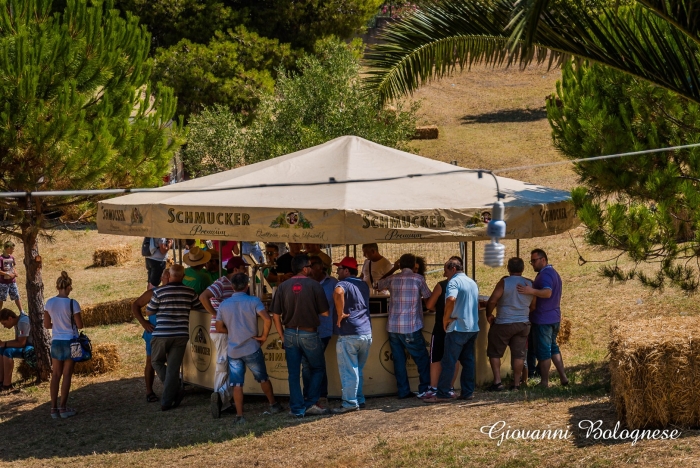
(375, 267)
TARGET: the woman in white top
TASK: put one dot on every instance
(57, 318)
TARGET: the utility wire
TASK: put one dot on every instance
(333, 180)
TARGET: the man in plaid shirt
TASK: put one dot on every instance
(405, 324)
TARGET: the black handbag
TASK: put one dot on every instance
(80, 346)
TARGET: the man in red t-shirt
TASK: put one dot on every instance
(8, 276)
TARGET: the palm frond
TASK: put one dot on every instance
(435, 41)
(635, 40)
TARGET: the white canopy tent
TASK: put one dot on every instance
(430, 208)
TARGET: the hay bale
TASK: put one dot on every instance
(564, 332)
(653, 369)
(428, 132)
(105, 358)
(107, 313)
(115, 255)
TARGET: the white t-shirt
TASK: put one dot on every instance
(379, 269)
(59, 310)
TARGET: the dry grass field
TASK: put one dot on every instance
(487, 118)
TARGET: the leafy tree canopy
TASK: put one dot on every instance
(76, 112)
(299, 23)
(324, 100)
(235, 70)
(647, 207)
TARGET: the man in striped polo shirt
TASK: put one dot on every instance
(171, 304)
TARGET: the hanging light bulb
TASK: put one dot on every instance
(495, 252)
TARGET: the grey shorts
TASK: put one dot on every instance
(10, 289)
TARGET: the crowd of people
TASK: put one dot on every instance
(308, 308)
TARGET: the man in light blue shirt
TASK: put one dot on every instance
(461, 322)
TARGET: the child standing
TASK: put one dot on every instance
(57, 318)
(8, 276)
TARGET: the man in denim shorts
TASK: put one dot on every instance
(238, 317)
(546, 316)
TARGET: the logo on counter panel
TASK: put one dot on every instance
(275, 357)
(386, 358)
(200, 348)
(289, 219)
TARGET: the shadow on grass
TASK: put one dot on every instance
(589, 379)
(113, 417)
(603, 417)
(506, 116)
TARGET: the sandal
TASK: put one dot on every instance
(67, 412)
(54, 413)
(514, 388)
(152, 398)
(497, 387)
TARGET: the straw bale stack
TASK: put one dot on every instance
(654, 367)
(428, 132)
(105, 358)
(107, 313)
(564, 332)
(115, 255)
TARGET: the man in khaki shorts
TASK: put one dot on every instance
(510, 327)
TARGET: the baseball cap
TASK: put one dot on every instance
(235, 262)
(347, 262)
(8, 244)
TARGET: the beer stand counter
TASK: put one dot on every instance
(378, 375)
(363, 193)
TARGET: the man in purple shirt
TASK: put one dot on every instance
(546, 316)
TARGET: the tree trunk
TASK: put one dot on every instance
(35, 303)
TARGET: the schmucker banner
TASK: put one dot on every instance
(430, 208)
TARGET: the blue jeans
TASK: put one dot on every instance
(415, 345)
(303, 348)
(546, 340)
(306, 373)
(352, 352)
(459, 346)
(255, 362)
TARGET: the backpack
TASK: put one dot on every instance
(146, 247)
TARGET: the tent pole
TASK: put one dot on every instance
(517, 248)
(463, 253)
(179, 243)
(354, 251)
(474, 260)
(221, 258)
(347, 250)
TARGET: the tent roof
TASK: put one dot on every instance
(350, 157)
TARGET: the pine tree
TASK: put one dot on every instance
(648, 206)
(76, 113)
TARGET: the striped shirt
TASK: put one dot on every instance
(405, 305)
(171, 305)
(221, 289)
